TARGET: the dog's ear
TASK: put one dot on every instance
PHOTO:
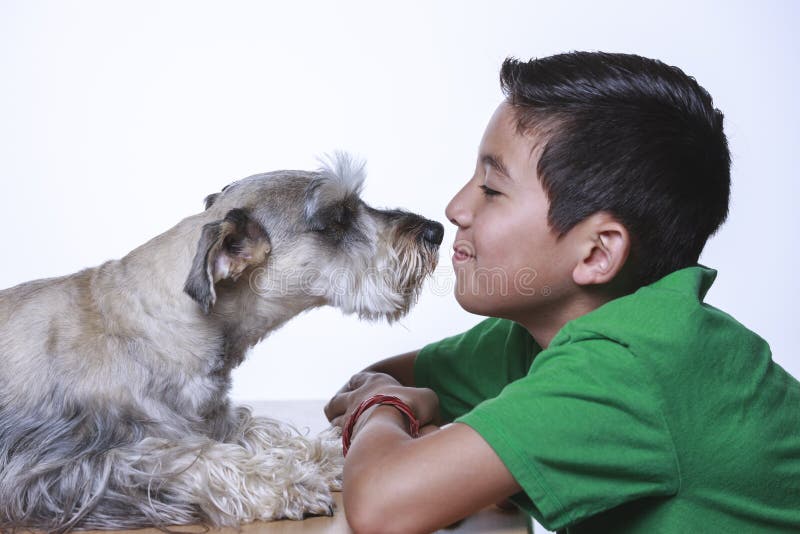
(225, 249)
(210, 199)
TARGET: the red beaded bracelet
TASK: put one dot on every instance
(391, 400)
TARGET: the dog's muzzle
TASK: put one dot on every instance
(432, 232)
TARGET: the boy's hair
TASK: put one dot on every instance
(631, 136)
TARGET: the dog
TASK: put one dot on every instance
(114, 408)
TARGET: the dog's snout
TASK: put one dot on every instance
(433, 232)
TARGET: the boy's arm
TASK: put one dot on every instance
(442, 476)
(400, 367)
(387, 472)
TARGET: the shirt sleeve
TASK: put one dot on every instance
(582, 432)
(468, 368)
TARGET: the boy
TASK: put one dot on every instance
(603, 395)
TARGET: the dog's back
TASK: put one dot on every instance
(36, 320)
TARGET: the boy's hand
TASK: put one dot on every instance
(422, 401)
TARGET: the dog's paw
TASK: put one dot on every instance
(324, 505)
(303, 502)
(335, 483)
(331, 459)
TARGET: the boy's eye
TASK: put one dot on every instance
(489, 192)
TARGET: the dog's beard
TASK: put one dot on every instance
(389, 289)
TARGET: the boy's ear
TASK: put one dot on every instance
(605, 250)
(225, 249)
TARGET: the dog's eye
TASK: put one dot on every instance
(334, 221)
(344, 216)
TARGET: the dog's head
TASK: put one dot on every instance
(307, 238)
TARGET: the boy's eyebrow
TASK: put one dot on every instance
(496, 162)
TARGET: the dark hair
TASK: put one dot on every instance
(631, 136)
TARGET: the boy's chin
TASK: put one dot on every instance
(479, 305)
(503, 307)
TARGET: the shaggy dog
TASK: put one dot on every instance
(114, 409)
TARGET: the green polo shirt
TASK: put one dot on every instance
(655, 413)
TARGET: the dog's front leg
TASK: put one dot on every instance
(260, 434)
(264, 472)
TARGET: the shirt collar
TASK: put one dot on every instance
(694, 280)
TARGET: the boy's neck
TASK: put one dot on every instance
(543, 325)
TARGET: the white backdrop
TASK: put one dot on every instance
(117, 118)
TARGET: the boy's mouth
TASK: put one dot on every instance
(461, 254)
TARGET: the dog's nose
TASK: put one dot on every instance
(433, 232)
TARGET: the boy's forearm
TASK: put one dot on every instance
(400, 367)
(378, 430)
(380, 434)
(387, 473)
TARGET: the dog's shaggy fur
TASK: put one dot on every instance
(114, 409)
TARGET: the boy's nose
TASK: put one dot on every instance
(456, 211)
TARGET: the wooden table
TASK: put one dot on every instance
(308, 414)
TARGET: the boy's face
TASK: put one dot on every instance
(508, 261)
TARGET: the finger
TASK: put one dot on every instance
(357, 380)
(328, 411)
(340, 402)
(338, 405)
(427, 405)
(352, 383)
